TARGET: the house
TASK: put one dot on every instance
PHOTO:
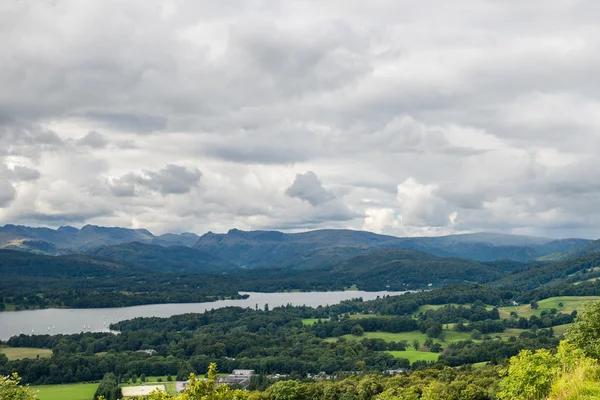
(248, 372)
(239, 377)
(395, 371)
(148, 351)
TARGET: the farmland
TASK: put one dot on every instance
(448, 336)
(564, 304)
(412, 355)
(19, 353)
(75, 391)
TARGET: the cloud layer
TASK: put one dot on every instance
(396, 117)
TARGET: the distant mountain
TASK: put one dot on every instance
(272, 249)
(589, 248)
(257, 249)
(68, 239)
(164, 259)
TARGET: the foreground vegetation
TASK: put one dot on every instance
(339, 351)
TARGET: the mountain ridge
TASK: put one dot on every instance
(268, 248)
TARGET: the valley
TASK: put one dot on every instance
(323, 303)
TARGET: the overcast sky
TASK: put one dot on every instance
(401, 117)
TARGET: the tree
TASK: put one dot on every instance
(108, 389)
(585, 332)
(10, 389)
(435, 330)
(357, 330)
(436, 348)
(475, 334)
(416, 344)
(534, 305)
(428, 342)
(204, 389)
(143, 378)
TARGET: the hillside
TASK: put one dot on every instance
(35, 265)
(164, 259)
(570, 271)
(399, 269)
(589, 248)
(329, 247)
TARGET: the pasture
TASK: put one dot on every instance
(448, 336)
(412, 355)
(569, 304)
(19, 353)
(74, 391)
(311, 321)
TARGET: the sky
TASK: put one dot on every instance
(398, 117)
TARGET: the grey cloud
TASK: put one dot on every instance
(94, 140)
(7, 193)
(172, 179)
(138, 123)
(308, 187)
(25, 174)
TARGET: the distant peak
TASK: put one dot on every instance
(68, 229)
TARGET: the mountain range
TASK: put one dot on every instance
(265, 249)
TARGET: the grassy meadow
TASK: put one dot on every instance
(448, 336)
(19, 353)
(569, 304)
(74, 391)
(412, 355)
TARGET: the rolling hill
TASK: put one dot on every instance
(576, 270)
(164, 259)
(589, 248)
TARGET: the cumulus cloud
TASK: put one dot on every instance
(308, 187)
(172, 179)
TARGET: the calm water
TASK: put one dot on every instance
(54, 321)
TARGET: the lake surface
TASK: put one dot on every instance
(55, 321)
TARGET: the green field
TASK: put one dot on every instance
(412, 355)
(447, 337)
(362, 316)
(310, 321)
(570, 304)
(75, 391)
(560, 329)
(18, 353)
(85, 391)
(508, 333)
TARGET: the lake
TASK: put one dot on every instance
(54, 320)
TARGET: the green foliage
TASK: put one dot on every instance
(357, 330)
(585, 333)
(535, 375)
(108, 389)
(10, 389)
(530, 376)
(203, 389)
